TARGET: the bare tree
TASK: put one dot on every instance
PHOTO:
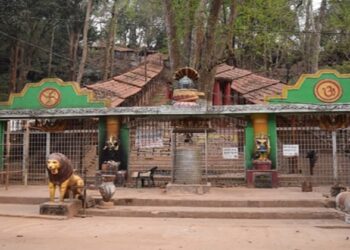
(209, 58)
(208, 44)
(85, 39)
(312, 36)
(316, 41)
(198, 34)
(110, 41)
(173, 43)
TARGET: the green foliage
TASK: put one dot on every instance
(336, 40)
(265, 34)
(140, 24)
(343, 68)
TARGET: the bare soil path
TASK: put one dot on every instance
(166, 234)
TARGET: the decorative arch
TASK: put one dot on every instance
(53, 93)
(323, 87)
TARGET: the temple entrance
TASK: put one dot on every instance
(220, 162)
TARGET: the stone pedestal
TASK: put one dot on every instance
(67, 208)
(105, 204)
(188, 188)
(262, 164)
(262, 178)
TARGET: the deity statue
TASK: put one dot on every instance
(262, 147)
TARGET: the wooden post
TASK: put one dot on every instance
(7, 158)
(2, 129)
(334, 154)
(25, 154)
(173, 155)
(47, 150)
(206, 155)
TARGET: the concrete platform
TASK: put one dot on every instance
(219, 212)
(235, 202)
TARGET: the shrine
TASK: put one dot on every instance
(300, 134)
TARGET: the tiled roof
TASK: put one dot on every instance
(251, 86)
(123, 86)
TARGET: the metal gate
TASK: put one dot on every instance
(221, 148)
(27, 149)
(322, 155)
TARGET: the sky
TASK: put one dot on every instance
(316, 4)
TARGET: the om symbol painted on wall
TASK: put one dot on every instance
(328, 91)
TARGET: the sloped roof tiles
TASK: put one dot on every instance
(251, 86)
(125, 85)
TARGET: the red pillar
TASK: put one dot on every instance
(217, 95)
(227, 94)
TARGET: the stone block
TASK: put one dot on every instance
(67, 208)
(188, 188)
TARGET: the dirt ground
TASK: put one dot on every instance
(165, 234)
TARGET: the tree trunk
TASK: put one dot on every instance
(85, 45)
(173, 44)
(189, 20)
(198, 34)
(308, 35)
(109, 53)
(50, 55)
(73, 47)
(227, 51)
(26, 55)
(209, 58)
(14, 67)
(316, 41)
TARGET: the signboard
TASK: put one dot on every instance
(148, 138)
(290, 150)
(230, 153)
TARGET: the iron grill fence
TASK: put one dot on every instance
(26, 151)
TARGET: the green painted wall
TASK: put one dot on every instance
(303, 90)
(101, 138)
(249, 145)
(71, 96)
(124, 146)
(250, 142)
(272, 130)
(2, 130)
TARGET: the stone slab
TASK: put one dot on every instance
(188, 188)
(262, 178)
(67, 208)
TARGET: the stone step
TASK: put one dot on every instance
(215, 212)
(330, 203)
(22, 200)
(26, 211)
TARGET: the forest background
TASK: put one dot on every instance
(280, 39)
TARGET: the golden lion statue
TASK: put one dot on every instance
(61, 174)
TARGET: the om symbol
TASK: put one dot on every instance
(328, 91)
